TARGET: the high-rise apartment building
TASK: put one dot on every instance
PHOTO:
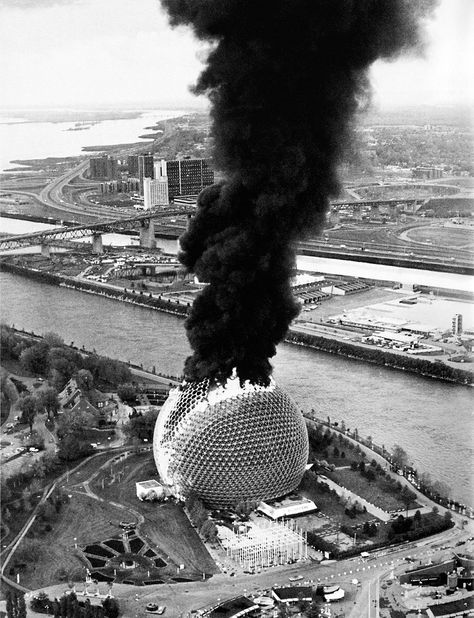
(132, 165)
(103, 167)
(456, 324)
(188, 176)
(155, 192)
(145, 168)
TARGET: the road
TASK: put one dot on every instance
(180, 599)
(52, 196)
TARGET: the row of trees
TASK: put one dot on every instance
(383, 357)
(68, 606)
(199, 517)
(15, 604)
(51, 358)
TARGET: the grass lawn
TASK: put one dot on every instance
(85, 519)
(377, 492)
(165, 524)
(329, 505)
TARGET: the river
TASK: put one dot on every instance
(432, 420)
(20, 140)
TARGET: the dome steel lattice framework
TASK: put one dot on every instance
(230, 443)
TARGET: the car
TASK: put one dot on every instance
(296, 578)
(161, 609)
(152, 607)
(460, 543)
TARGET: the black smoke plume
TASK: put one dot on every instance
(285, 78)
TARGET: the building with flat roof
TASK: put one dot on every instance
(292, 594)
(155, 192)
(460, 607)
(188, 176)
(149, 490)
(232, 608)
(289, 506)
(146, 169)
(103, 167)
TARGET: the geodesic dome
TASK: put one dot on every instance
(230, 443)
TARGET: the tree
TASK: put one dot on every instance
(209, 530)
(74, 446)
(127, 392)
(399, 457)
(407, 496)
(35, 359)
(27, 406)
(75, 422)
(84, 379)
(53, 340)
(11, 604)
(142, 426)
(370, 475)
(111, 607)
(48, 401)
(441, 488)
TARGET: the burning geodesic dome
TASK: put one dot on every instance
(230, 443)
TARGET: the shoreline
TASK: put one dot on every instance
(352, 350)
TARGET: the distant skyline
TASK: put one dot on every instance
(84, 53)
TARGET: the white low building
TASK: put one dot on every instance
(149, 490)
(287, 507)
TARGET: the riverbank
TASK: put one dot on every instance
(428, 368)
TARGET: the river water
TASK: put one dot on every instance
(21, 140)
(432, 420)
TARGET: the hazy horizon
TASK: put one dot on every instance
(77, 53)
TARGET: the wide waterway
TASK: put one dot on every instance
(431, 419)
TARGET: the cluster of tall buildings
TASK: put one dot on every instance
(158, 181)
(161, 181)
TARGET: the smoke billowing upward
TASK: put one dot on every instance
(285, 78)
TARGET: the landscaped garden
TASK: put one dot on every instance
(166, 526)
(48, 554)
(127, 558)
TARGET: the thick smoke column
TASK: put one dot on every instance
(285, 78)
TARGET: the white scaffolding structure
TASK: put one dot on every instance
(264, 544)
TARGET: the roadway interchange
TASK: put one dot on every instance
(408, 254)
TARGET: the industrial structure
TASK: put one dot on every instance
(264, 544)
(230, 443)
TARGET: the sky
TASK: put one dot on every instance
(76, 53)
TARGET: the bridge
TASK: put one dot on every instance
(45, 238)
(380, 203)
